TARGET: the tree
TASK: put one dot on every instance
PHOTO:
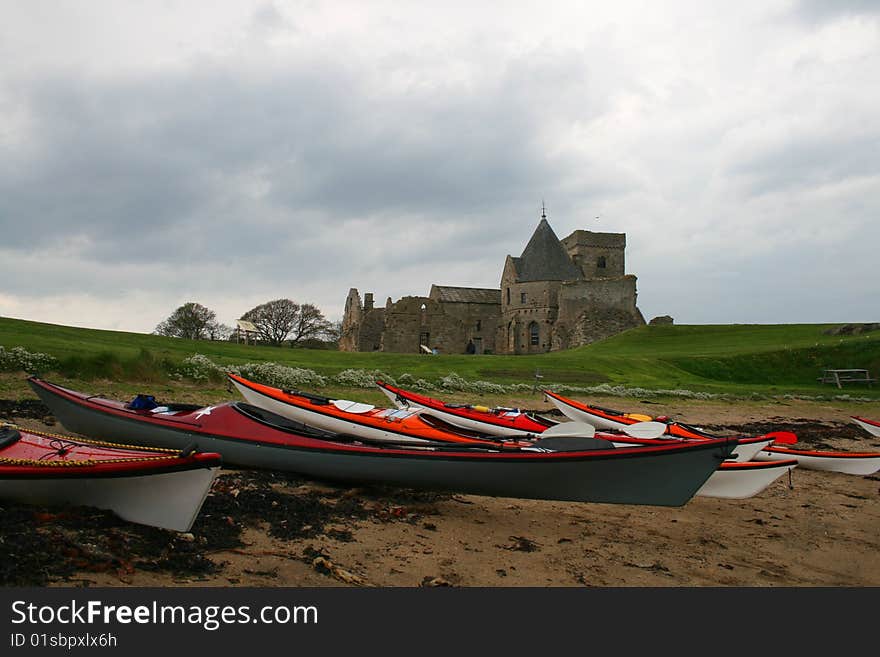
(281, 319)
(191, 320)
(218, 331)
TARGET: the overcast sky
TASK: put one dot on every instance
(229, 153)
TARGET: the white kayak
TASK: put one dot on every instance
(738, 481)
(854, 463)
(870, 426)
(606, 419)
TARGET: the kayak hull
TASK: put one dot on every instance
(854, 463)
(148, 487)
(170, 500)
(739, 481)
(870, 426)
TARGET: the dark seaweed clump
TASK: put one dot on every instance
(810, 433)
(40, 545)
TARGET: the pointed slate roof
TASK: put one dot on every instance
(545, 259)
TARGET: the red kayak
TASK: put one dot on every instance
(608, 419)
(150, 486)
(499, 421)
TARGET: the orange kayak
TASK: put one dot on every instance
(391, 425)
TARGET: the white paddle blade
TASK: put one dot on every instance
(351, 406)
(570, 429)
(645, 430)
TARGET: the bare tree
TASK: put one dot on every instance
(218, 331)
(191, 320)
(334, 331)
(281, 319)
(310, 324)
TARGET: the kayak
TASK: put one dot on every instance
(606, 418)
(567, 469)
(158, 487)
(854, 463)
(397, 426)
(870, 426)
(734, 480)
(730, 483)
(741, 480)
(499, 421)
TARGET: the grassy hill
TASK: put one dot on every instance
(736, 359)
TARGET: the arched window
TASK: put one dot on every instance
(508, 296)
(534, 334)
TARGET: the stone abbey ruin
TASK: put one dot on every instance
(556, 295)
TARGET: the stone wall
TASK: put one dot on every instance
(594, 310)
(539, 307)
(371, 328)
(479, 322)
(595, 322)
(407, 320)
(351, 322)
(585, 248)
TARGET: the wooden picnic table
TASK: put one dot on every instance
(839, 377)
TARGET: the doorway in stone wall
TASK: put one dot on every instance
(424, 339)
(478, 345)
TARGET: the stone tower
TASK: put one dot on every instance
(565, 293)
(530, 287)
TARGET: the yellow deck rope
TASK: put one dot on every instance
(83, 463)
(171, 453)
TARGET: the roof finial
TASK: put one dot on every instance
(543, 211)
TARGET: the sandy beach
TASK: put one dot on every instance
(271, 529)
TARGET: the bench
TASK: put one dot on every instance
(839, 377)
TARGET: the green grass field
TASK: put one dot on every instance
(733, 359)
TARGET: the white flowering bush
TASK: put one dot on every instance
(409, 382)
(622, 391)
(453, 381)
(279, 376)
(201, 368)
(197, 368)
(362, 378)
(19, 358)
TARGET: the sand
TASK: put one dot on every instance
(822, 530)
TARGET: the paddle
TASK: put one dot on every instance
(570, 430)
(783, 437)
(584, 430)
(645, 429)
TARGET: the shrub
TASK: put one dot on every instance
(19, 358)
(363, 378)
(279, 376)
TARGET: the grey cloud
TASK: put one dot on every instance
(185, 165)
(808, 162)
(817, 11)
